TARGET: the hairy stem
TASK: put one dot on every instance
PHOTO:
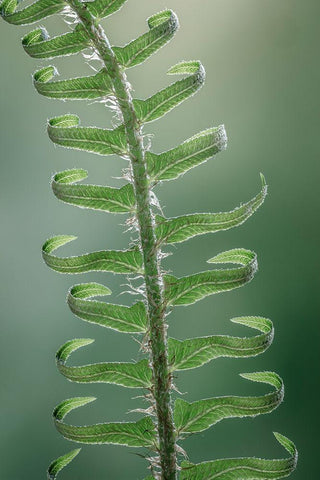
(150, 251)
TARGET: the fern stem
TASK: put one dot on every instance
(150, 250)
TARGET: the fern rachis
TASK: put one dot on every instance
(163, 424)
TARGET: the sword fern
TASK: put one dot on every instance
(164, 424)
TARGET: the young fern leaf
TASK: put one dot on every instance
(115, 261)
(244, 468)
(195, 352)
(162, 428)
(65, 131)
(200, 415)
(191, 289)
(180, 229)
(133, 375)
(194, 151)
(95, 197)
(168, 98)
(38, 43)
(117, 317)
(57, 465)
(34, 12)
(162, 26)
(130, 434)
(83, 88)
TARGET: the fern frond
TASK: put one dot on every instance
(191, 289)
(202, 414)
(38, 44)
(117, 317)
(195, 352)
(191, 153)
(34, 12)
(115, 261)
(96, 197)
(130, 434)
(164, 101)
(161, 429)
(80, 88)
(180, 229)
(65, 131)
(244, 468)
(163, 26)
(133, 375)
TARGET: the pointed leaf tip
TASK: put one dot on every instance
(263, 180)
(57, 465)
(54, 243)
(70, 404)
(286, 443)
(71, 346)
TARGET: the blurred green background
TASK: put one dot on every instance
(262, 62)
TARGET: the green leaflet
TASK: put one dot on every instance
(198, 416)
(133, 375)
(194, 352)
(83, 88)
(107, 199)
(57, 465)
(32, 13)
(38, 44)
(162, 102)
(116, 261)
(117, 317)
(188, 290)
(104, 8)
(244, 468)
(65, 131)
(162, 26)
(179, 229)
(130, 434)
(191, 153)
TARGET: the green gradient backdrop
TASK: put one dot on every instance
(262, 62)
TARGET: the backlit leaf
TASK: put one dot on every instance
(133, 375)
(32, 13)
(162, 26)
(131, 434)
(190, 289)
(194, 352)
(65, 131)
(202, 414)
(162, 102)
(96, 197)
(116, 261)
(243, 468)
(38, 44)
(82, 88)
(117, 317)
(194, 151)
(179, 229)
